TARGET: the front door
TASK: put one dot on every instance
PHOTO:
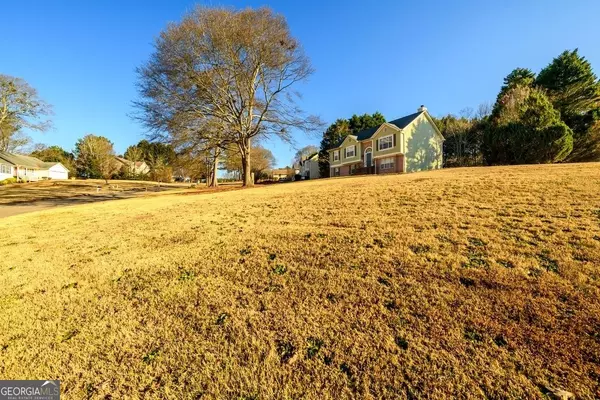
(368, 159)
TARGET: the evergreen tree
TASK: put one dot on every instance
(525, 129)
(574, 90)
(518, 77)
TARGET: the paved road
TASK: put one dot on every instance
(7, 210)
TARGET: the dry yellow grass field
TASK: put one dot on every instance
(466, 283)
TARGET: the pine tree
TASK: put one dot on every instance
(574, 90)
(526, 129)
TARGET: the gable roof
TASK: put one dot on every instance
(368, 133)
(26, 161)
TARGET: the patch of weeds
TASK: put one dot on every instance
(468, 282)
(279, 269)
(597, 213)
(187, 275)
(477, 242)
(420, 248)
(473, 335)
(580, 256)
(272, 256)
(506, 263)
(151, 356)
(314, 346)
(285, 350)
(476, 260)
(222, 318)
(332, 297)
(384, 281)
(68, 335)
(444, 239)
(535, 272)
(72, 285)
(321, 235)
(308, 235)
(273, 288)
(500, 341)
(596, 237)
(245, 251)
(89, 390)
(550, 264)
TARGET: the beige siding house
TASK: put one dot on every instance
(408, 144)
(130, 167)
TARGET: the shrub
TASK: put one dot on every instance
(8, 181)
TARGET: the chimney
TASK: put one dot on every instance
(422, 108)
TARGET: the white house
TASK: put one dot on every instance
(309, 167)
(28, 168)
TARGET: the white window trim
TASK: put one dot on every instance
(381, 140)
(353, 147)
(387, 163)
(336, 155)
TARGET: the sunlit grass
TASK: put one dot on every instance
(467, 283)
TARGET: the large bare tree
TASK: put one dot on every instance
(20, 108)
(235, 68)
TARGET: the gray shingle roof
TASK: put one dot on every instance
(367, 133)
(25, 161)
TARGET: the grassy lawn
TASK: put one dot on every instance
(469, 283)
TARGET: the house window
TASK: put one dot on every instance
(387, 163)
(386, 142)
(350, 151)
(336, 155)
(5, 169)
(336, 172)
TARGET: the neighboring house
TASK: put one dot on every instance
(283, 174)
(28, 168)
(130, 167)
(408, 144)
(309, 167)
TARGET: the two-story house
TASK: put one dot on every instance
(408, 144)
(309, 167)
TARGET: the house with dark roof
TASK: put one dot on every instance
(131, 167)
(408, 144)
(26, 168)
(309, 167)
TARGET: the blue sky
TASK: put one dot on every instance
(387, 56)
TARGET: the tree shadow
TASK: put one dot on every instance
(421, 153)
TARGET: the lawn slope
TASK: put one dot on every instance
(469, 283)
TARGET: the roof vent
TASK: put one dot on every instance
(422, 108)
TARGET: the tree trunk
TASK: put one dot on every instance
(214, 182)
(245, 151)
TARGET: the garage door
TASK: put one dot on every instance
(59, 175)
